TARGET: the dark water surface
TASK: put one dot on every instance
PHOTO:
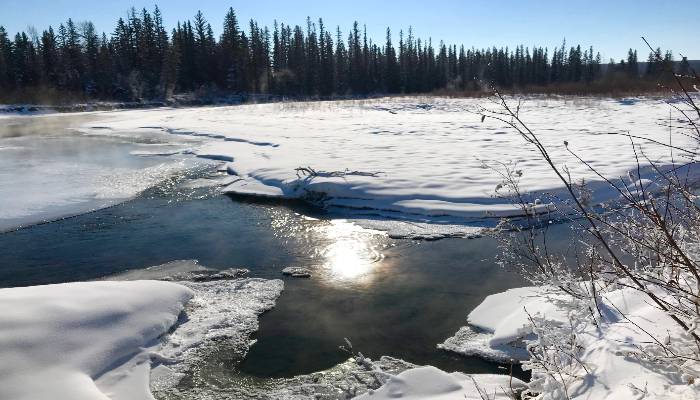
(390, 297)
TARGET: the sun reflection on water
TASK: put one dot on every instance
(351, 252)
(337, 251)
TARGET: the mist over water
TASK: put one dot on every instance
(49, 169)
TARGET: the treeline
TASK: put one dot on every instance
(140, 60)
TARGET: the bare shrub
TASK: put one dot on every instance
(647, 240)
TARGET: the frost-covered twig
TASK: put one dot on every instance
(365, 363)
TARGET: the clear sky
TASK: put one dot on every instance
(611, 26)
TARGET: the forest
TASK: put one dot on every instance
(140, 60)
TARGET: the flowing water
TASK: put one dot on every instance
(390, 297)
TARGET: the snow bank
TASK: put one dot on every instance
(608, 351)
(401, 158)
(505, 314)
(83, 340)
(114, 339)
(616, 372)
(430, 383)
(498, 325)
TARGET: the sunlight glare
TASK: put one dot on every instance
(353, 251)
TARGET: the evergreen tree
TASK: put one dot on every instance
(632, 65)
(49, 56)
(392, 76)
(342, 69)
(232, 55)
(327, 62)
(5, 60)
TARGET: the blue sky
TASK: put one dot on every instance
(611, 27)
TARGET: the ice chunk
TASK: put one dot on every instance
(469, 341)
(297, 272)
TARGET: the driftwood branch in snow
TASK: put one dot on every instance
(308, 172)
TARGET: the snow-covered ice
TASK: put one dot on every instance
(470, 341)
(498, 325)
(49, 171)
(220, 317)
(297, 272)
(405, 158)
(426, 161)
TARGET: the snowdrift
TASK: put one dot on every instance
(83, 340)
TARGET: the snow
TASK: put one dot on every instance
(469, 341)
(114, 339)
(423, 383)
(417, 160)
(505, 314)
(425, 161)
(497, 325)
(83, 340)
(253, 188)
(614, 372)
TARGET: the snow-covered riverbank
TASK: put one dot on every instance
(131, 339)
(611, 361)
(100, 340)
(112, 339)
(425, 161)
